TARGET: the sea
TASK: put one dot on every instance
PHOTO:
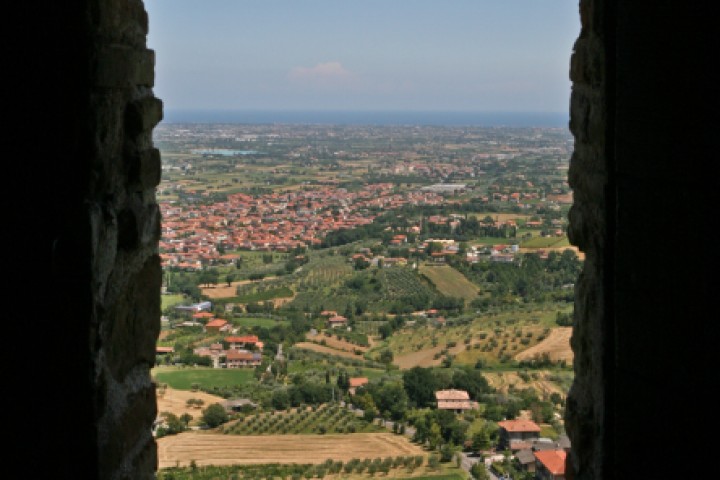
(400, 118)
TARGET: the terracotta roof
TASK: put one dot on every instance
(552, 460)
(218, 322)
(242, 355)
(164, 349)
(452, 394)
(519, 426)
(245, 339)
(358, 381)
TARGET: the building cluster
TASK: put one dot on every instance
(196, 235)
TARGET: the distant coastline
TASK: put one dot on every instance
(430, 118)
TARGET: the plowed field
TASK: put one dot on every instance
(218, 449)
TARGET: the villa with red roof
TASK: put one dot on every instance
(217, 325)
(337, 321)
(517, 434)
(550, 464)
(242, 358)
(356, 382)
(243, 341)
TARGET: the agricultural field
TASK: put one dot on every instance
(545, 242)
(175, 401)
(450, 282)
(356, 469)
(189, 378)
(487, 337)
(257, 322)
(170, 300)
(325, 419)
(213, 448)
(316, 347)
(545, 382)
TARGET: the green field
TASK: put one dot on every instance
(206, 378)
(450, 282)
(170, 300)
(257, 322)
(272, 293)
(546, 242)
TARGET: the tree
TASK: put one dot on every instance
(420, 385)
(186, 418)
(173, 425)
(480, 440)
(434, 436)
(479, 472)
(343, 381)
(386, 356)
(447, 451)
(214, 415)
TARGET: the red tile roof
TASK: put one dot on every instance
(245, 339)
(519, 426)
(552, 460)
(218, 322)
(358, 381)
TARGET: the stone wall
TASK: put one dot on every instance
(124, 231)
(643, 112)
(588, 177)
(86, 229)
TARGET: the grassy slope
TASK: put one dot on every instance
(450, 282)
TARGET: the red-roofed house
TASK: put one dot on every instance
(217, 325)
(456, 400)
(550, 464)
(356, 382)
(517, 434)
(240, 342)
(337, 321)
(203, 316)
(242, 358)
(164, 350)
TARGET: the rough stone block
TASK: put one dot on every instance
(142, 115)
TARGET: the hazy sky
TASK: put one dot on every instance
(453, 55)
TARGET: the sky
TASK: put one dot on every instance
(367, 55)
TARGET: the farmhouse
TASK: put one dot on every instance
(550, 464)
(200, 316)
(337, 321)
(355, 383)
(455, 400)
(517, 434)
(243, 341)
(218, 325)
(242, 358)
